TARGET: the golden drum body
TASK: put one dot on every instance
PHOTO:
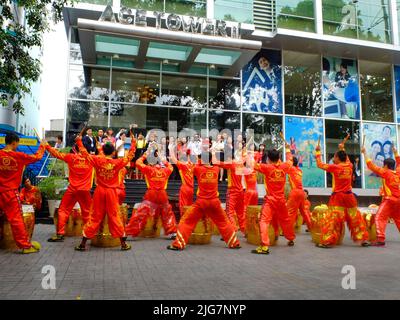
(74, 224)
(319, 215)
(104, 239)
(203, 231)
(253, 227)
(152, 228)
(298, 224)
(6, 236)
(369, 218)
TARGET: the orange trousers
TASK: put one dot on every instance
(274, 211)
(250, 198)
(121, 195)
(343, 208)
(185, 197)
(235, 205)
(67, 204)
(10, 204)
(295, 204)
(389, 208)
(155, 203)
(213, 209)
(105, 202)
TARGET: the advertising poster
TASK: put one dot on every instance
(262, 83)
(302, 134)
(397, 86)
(379, 139)
(340, 88)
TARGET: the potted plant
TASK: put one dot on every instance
(53, 189)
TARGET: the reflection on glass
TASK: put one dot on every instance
(376, 91)
(266, 129)
(184, 91)
(188, 119)
(335, 132)
(88, 83)
(224, 94)
(302, 84)
(95, 114)
(75, 57)
(221, 120)
(238, 10)
(187, 7)
(340, 88)
(156, 5)
(365, 20)
(296, 14)
(135, 87)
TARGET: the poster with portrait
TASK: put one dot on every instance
(302, 134)
(340, 88)
(262, 83)
(379, 139)
(397, 86)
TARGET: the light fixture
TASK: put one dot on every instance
(116, 56)
(212, 66)
(165, 61)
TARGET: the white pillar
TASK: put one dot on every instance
(319, 24)
(394, 22)
(210, 9)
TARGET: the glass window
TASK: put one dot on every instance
(156, 5)
(188, 119)
(397, 88)
(376, 91)
(224, 94)
(365, 20)
(187, 7)
(135, 87)
(221, 120)
(296, 14)
(234, 10)
(335, 132)
(302, 75)
(266, 129)
(88, 83)
(104, 2)
(94, 113)
(184, 91)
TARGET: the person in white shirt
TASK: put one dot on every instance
(195, 145)
(120, 145)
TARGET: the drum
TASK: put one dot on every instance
(152, 228)
(74, 225)
(318, 216)
(104, 238)
(253, 227)
(203, 231)
(298, 224)
(369, 218)
(6, 236)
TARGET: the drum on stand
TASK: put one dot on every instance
(253, 227)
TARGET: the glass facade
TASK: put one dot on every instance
(196, 8)
(296, 15)
(234, 10)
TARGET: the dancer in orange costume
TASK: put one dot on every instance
(274, 202)
(81, 174)
(105, 197)
(296, 200)
(12, 165)
(121, 188)
(186, 191)
(307, 206)
(343, 203)
(207, 203)
(155, 201)
(31, 195)
(390, 206)
(251, 194)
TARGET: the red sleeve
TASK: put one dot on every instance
(30, 158)
(375, 169)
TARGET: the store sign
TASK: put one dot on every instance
(173, 22)
(22, 141)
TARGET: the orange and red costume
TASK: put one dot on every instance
(274, 210)
(390, 206)
(186, 191)
(296, 200)
(81, 175)
(251, 194)
(342, 205)
(12, 165)
(155, 200)
(105, 197)
(206, 204)
(121, 188)
(31, 196)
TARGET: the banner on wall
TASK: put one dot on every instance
(340, 88)
(262, 83)
(303, 135)
(379, 139)
(397, 86)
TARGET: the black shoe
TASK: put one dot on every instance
(222, 239)
(323, 246)
(365, 244)
(173, 248)
(126, 247)
(290, 243)
(378, 244)
(80, 248)
(276, 238)
(261, 250)
(307, 230)
(56, 238)
(236, 247)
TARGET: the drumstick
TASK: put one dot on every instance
(319, 140)
(36, 133)
(363, 142)
(346, 139)
(283, 138)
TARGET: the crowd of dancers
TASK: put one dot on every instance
(106, 169)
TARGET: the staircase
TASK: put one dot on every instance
(264, 12)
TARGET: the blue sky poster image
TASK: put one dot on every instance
(302, 134)
(397, 81)
(262, 83)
